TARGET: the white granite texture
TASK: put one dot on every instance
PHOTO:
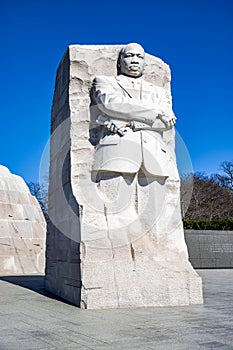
(127, 259)
(22, 228)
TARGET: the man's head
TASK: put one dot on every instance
(131, 60)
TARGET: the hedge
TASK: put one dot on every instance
(222, 225)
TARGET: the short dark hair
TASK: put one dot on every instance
(119, 60)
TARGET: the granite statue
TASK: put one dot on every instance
(115, 237)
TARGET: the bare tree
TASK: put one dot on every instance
(226, 178)
(209, 199)
(41, 194)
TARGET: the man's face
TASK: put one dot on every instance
(132, 60)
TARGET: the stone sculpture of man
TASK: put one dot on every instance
(131, 159)
(134, 114)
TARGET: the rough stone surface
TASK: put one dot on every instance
(22, 227)
(210, 249)
(150, 268)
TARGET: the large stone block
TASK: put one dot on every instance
(22, 228)
(99, 259)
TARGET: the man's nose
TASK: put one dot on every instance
(135, 59)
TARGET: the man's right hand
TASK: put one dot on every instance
(110, 126)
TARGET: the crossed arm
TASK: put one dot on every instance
(114, 104)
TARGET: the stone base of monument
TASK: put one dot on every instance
(136, 281)
(99, 256)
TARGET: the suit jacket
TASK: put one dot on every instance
(122, 99)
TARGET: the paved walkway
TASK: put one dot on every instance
(30, 320)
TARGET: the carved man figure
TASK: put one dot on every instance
(132, 162)
(134, 114)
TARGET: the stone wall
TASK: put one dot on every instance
(210, 249)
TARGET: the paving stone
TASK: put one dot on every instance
(31, 319)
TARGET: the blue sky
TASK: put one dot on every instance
(195, 37)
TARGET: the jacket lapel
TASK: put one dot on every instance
(125, 84)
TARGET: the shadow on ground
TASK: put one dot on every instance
(35, 283)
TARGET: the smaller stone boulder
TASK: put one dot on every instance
(22, 227)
